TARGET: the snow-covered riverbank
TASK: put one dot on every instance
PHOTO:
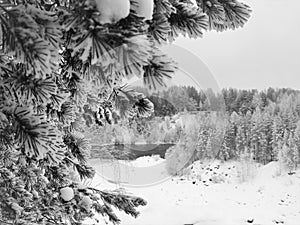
(213, 193)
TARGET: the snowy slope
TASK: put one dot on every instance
(264, 199)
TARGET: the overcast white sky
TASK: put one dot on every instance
(266, 52)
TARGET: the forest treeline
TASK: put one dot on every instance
(179, 98)
(262, 126)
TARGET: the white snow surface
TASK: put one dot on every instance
(66, 193)
(111, 11)
(212, 193)
(144, 8)
(146, 161)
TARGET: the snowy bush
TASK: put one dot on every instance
(288, 152)
(183, 153)
(285, 159)
(179, 157)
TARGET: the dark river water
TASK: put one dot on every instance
(129, 151)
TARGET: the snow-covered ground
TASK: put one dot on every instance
(214, 193)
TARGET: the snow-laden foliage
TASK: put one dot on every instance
(67, 193)
(63, 65)
(159, 69)
(112, 11)
(225, 14)
(143, 8)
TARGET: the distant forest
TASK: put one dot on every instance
(262, 125)
(188, 98)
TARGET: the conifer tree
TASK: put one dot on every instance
(293, 153)
(203, 134)
(63, 65)
(228, 148)
(277, 136)
(265, 138)
(287, 155)
(240, 140)
(255, 133)
(243, 133)
(209, 148)
(286, 152)
(297, 139)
